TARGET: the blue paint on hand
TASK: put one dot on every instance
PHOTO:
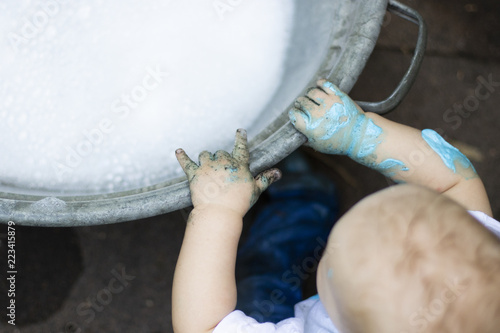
(232, 169)
(451, 156)
(345, 130)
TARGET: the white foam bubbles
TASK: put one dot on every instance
(96, 96)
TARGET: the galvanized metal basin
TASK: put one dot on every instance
(332, 39)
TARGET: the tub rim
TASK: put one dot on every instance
(265, 150)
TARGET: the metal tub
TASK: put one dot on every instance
(331, 39)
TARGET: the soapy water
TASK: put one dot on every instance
(96, 96)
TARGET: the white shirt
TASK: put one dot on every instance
(310, 314)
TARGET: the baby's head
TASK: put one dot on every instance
(407, 260)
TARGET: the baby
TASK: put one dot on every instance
(417, 257)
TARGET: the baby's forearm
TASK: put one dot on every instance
(334, 124)
(406, 154)
(204, 289)
(401, 153)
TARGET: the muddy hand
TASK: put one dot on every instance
(224, 179)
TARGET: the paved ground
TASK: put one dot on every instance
(66, 274)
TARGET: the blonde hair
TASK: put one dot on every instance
(411, 260)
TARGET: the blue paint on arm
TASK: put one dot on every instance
(451, 156)
(390, 167)
(345, 130)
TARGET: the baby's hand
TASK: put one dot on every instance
(224, 179)
(332, 122)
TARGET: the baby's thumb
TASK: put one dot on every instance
(298, 119)
(266, 178)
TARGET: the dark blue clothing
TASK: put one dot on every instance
(284, 246)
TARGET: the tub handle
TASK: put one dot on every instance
(404, 86)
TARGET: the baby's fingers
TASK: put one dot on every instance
(306, 104)
(240, 150)
(299, 119)
(186, 163)
(266, 178)
(318, 95)
(329, 87)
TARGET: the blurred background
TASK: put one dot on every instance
(65, 274)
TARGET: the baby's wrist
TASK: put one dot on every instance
(217, 210)
(365, 139)
(356, 139)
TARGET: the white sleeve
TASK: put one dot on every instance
(238, 322)
(489, 222)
